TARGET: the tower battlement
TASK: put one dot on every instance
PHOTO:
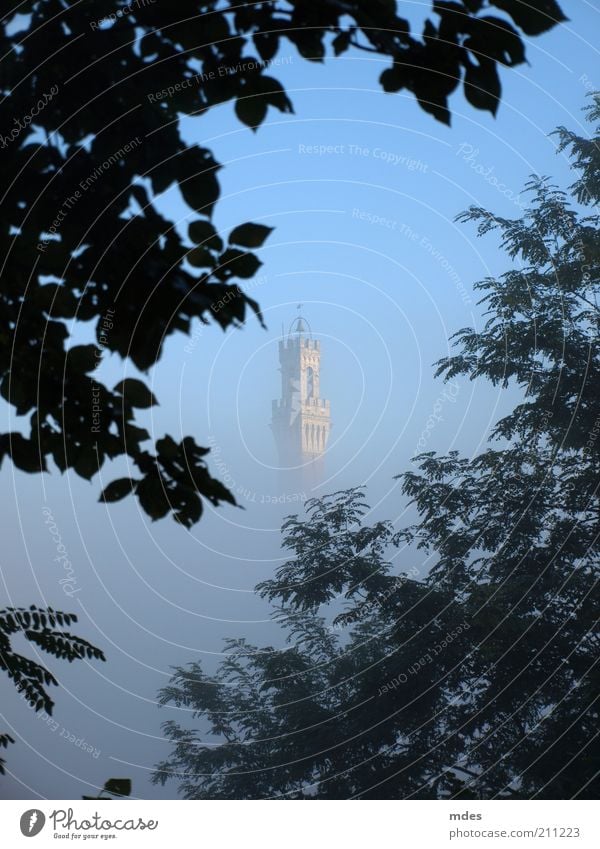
(320, 405)
(299, 341)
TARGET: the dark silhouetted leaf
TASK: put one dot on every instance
(391, 79)
(83, 357)
(482, 86)
(251, 110)
(118, 489)
(136, 393)
(533, 16)
(249, 235)
(240, 264)
(201, 258)
(341, 43)
(204, 233)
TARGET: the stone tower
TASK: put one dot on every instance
(301, 418)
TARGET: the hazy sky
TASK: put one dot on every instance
(365, 238)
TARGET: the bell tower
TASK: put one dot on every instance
(301, 418)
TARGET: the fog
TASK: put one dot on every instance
(362, 189)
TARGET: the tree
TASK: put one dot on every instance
(93, 94)
(316, 720)
(479, 679)
(43, 628)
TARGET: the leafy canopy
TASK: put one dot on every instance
(44, 629)
(92, 96)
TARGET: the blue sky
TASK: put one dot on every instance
(365, 238)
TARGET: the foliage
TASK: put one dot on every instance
(328, 717)
(5, 739)
(479, 679)
(44, 629)
(93, 94)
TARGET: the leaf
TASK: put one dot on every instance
(341, 42)
(190, 513)
(189, 446)
(434, 103)
(133, 435)
(87, 461)
(310, 44)
(251, 110)
(391, 80)
(204, 233)
(532, 16)
(24, 453)
(239, 263)
(196, 174)
(162, 176)
(482, 86)
(153, 497)
(167, 448)
(83, 357)
(266, 43)
(118, 786)
(494, 38)
(136, 393)
(273, 92)
(201, 257)
(250, 235)
(118, 489)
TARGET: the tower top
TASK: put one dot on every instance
(299, 326)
